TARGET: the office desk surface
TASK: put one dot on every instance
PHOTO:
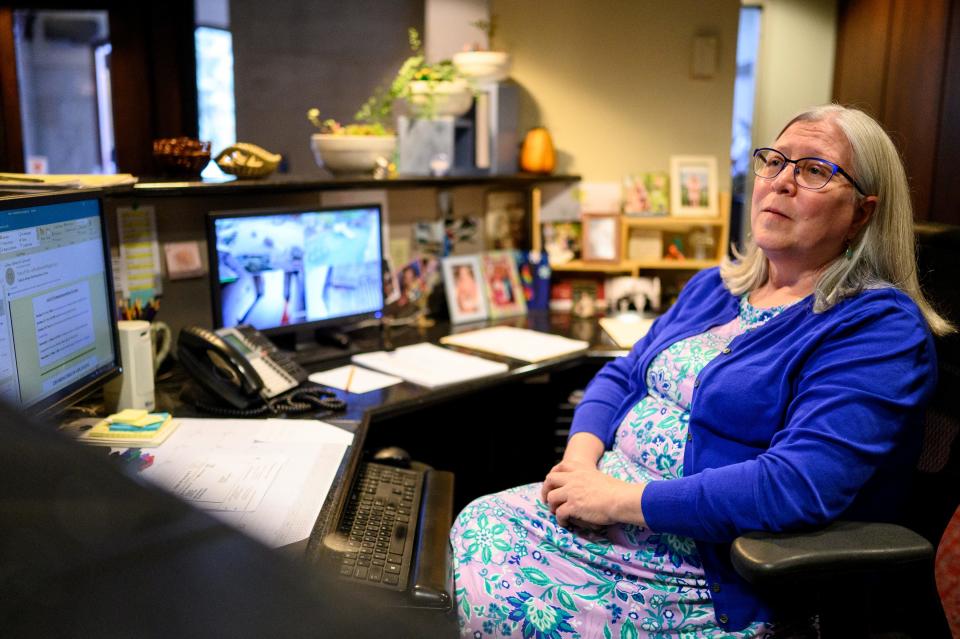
(406, 401)
(404, 397)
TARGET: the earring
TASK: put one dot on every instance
(848, 251)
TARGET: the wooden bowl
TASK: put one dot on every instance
(182, 157)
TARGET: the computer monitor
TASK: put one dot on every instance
(295, 274)
(58, 335)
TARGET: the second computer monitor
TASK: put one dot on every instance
(289, 271)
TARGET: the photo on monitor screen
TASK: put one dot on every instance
(276, 269)
(57, 314)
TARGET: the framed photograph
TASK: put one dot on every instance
(601, 237)
(463, 283)
(561, 241)
(502, 284)
(693, 186)
(391, 288)
(505, 218)
(646, 194)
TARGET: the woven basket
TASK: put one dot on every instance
(247, 160)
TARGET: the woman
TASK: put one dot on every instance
(784, 390)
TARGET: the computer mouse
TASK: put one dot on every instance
(392, 456)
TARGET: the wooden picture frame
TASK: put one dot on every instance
(693, 186)
(464, 284)
(601, 237)
(502, 284)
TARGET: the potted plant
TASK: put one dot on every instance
(430, 90)
(481, 63)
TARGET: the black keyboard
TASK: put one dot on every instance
(377, 532)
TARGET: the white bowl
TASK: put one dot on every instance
(483, 66)
(450, 98)
(351, 153)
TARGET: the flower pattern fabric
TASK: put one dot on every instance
(519, 574)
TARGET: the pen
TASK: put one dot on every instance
(346, 386)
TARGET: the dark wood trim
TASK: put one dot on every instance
(914, 90)
(945, 198)
(11, 129)
(863, 53)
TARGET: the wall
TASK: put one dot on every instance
(447, 26)
(611, 80)
(789, 77)
(795, 65)
(291, 55)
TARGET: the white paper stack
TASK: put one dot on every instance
(516, 343)
(430, 365)
(626, 330)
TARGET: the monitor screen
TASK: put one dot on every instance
(57, 310)
(286, 269)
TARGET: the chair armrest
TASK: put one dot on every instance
(841, 548)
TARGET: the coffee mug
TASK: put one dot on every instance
(162, 339)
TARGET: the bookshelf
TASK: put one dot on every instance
(644, 241)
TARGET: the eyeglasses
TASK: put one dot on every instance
(810, 173)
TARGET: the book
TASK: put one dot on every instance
(516, 343)
(430, 365)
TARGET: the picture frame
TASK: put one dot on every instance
(646, 194)
(502, 284)
(391, 286)
(601, 237)
(562, 241)
(464, 284)
(505, 218)
(693, 186)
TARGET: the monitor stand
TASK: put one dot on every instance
(318, 345)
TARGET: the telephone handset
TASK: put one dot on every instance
(238, 364)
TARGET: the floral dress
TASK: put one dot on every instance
(519, 574)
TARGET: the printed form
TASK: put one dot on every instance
(268, 478)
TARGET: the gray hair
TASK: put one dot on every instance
(883, 254)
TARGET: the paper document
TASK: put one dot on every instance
(430, 365)
(268, 478)
(354, 379)
(517, 343)
(67, 180)
(626, 330)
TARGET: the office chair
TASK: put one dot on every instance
(864, 577)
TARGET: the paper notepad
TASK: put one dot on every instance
(360, 379)
(430, 365)
(625, 331)
(516, 343)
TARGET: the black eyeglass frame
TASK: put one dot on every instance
(836, 169)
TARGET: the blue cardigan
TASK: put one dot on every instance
(811, 418)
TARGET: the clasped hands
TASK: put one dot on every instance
(580, 495)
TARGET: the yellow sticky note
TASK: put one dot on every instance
(128, 416)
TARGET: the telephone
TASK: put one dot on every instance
(242, 367)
